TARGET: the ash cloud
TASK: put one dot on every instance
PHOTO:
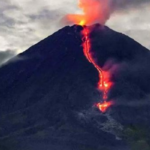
(99, 11)
(94, 11)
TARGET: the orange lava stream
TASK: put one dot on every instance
(91, 15)
(103, 85)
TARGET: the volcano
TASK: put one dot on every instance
(48, 92)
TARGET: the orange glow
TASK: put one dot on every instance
(93, 11)
(86, 17)
(82, 23)
(104, 84)
(104, 106)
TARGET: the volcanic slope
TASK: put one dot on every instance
(47, 93)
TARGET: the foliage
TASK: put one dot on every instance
(137, 138)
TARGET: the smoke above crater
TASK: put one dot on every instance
(93, 11)
(99, 11)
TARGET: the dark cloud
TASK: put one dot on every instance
(46, 14)
(6, 55)
(7, 5)
(16, 23)
(121, 4)
(6, 21)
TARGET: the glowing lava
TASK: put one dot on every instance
(104, 106)
(96, 13)
(103, 84)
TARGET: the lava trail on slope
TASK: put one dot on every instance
(87, 17)
(103, 84)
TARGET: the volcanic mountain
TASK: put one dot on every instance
(47, 94)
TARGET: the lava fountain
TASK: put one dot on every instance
(89, 16)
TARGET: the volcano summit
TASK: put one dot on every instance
(47, 96)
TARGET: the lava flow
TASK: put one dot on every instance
(103, 85)
(90, 15)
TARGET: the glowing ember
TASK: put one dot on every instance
(104, 106)
(82, 23)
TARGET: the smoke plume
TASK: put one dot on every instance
(94, 11)
(99, 11)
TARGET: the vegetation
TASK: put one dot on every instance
(137, 138)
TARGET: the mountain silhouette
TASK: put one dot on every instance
(48, 92)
